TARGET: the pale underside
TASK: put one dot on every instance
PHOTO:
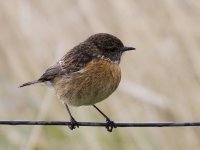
(90, 85)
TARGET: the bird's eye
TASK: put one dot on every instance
(112, 49)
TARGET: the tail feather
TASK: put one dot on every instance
(29, 83)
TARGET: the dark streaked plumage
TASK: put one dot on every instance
(88, 73)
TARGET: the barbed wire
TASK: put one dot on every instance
(100, 124)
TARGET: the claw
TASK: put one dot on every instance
(110, 125)
(73, 124)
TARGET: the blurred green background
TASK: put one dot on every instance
(160, 80)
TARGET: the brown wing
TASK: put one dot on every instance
(71, 62)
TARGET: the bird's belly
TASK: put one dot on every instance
(90, 95)
(89, 86)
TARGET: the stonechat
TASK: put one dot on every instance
(87, 74)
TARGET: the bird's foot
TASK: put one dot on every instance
(73, 124)
(110, 125)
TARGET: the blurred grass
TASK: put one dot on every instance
(160, 81)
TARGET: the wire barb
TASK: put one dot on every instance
(99, 124)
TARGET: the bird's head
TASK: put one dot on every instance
(107, 47)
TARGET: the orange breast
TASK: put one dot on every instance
(90, 85)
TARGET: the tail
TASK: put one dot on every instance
(29, 83)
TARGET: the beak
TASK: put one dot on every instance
(127, 48)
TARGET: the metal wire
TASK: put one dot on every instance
(99, 124)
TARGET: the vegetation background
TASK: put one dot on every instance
(160, 80)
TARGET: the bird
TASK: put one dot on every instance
(87, 74)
